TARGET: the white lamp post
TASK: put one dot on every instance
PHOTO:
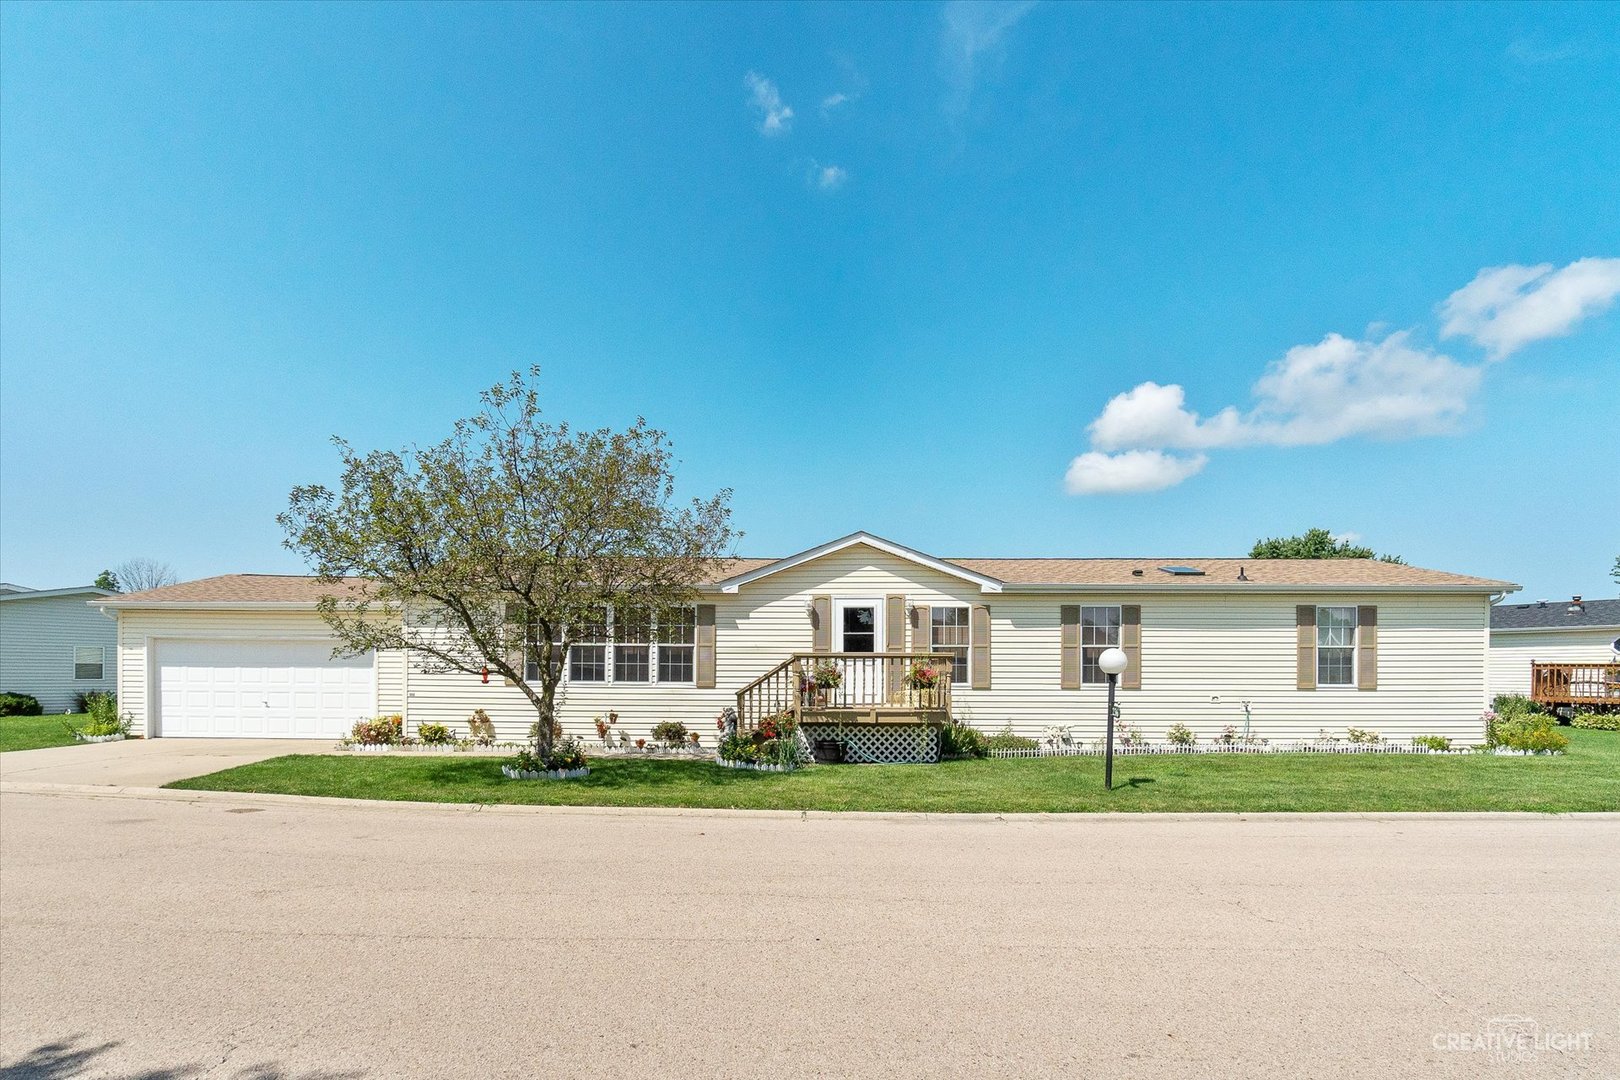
(1112, 661)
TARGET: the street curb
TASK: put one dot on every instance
(240, 798)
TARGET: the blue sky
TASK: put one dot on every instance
(883, 267)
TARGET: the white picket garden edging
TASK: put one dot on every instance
(1095, 749)
(755, 766)
(116, 737)
(514, 773)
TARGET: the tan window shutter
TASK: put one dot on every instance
(894, 640)
(979, 646)
(821, 624)
(1305, 646)
(922, 629)
(1069, 642)
(703, 652)
(1367, 647)
(515, 654)
(1130, 639)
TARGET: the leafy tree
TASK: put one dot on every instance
(488, 551)
(107, 580)
(1614, 571)
(138, 575)
(1314, 544)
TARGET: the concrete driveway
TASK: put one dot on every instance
(183, 934)
(144, 762)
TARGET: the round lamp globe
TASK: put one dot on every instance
(1113, 661)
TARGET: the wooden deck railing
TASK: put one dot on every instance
(1575, 684)
(874, 684)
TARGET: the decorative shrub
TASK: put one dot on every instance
(81, 700)
(1597, 721)
(19, 705)
(1180, 735)
(1514, 706)
(1433, 742)
(102, 711)
(435, 735)
(736, 747)
(1006, 740)
(957, 739)
(1363, 737)
(383, 731)
(1536, 732)
(1229, 736)
(672, 733)
(1128, 735)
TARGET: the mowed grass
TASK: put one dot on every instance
(37, 732)
(1587, 778)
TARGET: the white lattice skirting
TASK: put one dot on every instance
(880, 744)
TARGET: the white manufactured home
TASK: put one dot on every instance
(1574, 644)
(54, 646)
(1289, 647)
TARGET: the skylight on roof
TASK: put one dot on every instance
(1183, 571)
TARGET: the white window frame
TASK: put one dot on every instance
(1354, 647)
(102, 650)
(964, 679)
(1119, 623)
(653, 646)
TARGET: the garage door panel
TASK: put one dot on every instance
(261, 689)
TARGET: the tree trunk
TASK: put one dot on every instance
(548, 716)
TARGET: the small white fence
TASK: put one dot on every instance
(1096, 748)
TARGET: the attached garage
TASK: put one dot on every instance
(244, 656)
(260, 689)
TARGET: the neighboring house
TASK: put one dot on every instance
(1306, 645)
(54, 646)
(1574, 631)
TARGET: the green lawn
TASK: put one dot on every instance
(33, 732)
(1587, 778)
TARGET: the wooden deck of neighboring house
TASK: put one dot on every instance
(1575, 686)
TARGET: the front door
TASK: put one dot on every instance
(859, 623)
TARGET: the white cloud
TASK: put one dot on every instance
(972, 30)
(1507, 307)
(1093, 473)
(832, 101)
(776, 118)
(1315, 394)
(828, 177)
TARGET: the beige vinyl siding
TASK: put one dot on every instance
(1512, 651)
(1432, 650)
(37, 639)
(141, 632)
(1431, 660)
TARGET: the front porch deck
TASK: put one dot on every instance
(876, 707)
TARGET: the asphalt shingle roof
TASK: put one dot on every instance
(1555, 614)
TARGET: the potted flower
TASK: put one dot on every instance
(922, 675)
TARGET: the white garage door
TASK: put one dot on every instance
(261, 689)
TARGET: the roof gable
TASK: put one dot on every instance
(985, 582)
